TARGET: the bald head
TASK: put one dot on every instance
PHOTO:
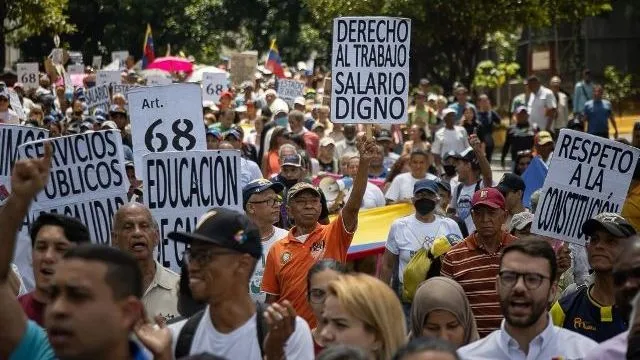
(127, 209)
(135, 231)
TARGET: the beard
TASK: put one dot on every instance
(537, 310)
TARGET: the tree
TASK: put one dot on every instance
(617, 87)
(23, 18)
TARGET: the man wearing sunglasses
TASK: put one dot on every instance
(525, 284)
(590, 310)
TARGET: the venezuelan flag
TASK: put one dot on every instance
(148, 52)
(274, 62)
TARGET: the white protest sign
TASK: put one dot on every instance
(98, 96)
(213, 84)
(12, 136)
(243, 66)
(181, 186)
(68, 84)
(28, 75)
(87, 180)
(96, 62)
(57, 56)
(108, 77)
(16, 105)
(166, 118)
(155, 80)
(75, 69)
(289, 90)
(120, 56)
(370, 70)
(588, 175)
(122, 88)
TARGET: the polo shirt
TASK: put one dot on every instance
(537, 105)
(289, 260)
(161, 297)
(476, 270)
(579, 312)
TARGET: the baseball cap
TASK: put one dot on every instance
(129, 164)
(109, 124)
(445, 185)
(299, 101)
(246, 84)
(428, 185)
(447, 111)
(292, 160)
(510, 182)
(424, 81)
(466, 155)
(420, 93)
(300, 187)
(384, 135)
(490, 197)
(18, 85)
(226, 228)
(215, 132)
(49, 119)
(521, 109)
(208, 104)
(316, 125)
(327, 140)
(232, 132)
(257, 186)
(432, 97)
(544, 137)
(115, 109)
(612, 223)
(226, 93)
(520, 220)
(270, 92)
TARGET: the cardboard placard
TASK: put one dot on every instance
(213, 85)
(289, 90)
(28, 75)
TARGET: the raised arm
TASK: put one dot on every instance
(485, 167)
(367, 149)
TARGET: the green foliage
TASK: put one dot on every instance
(617, 87)
(32, 17)
(488, 75)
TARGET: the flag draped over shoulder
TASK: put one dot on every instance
(274, 62)
(148, 52)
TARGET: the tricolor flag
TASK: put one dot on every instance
(148, 53)
(274, 63)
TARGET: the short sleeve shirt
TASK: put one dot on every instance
(597, 113)
(289, 260)
(34, 345)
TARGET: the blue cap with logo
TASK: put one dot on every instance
(428, 185)
(257, 186)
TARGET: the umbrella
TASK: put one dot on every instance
(196, 75)
(172, 64)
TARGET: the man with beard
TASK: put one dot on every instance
(591, 310)
(525, 284)
(626, 279)
(136, 232)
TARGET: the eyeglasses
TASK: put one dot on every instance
(317, 296)
(203, 256)
(268, 202)
(532, 281)
(621, 277)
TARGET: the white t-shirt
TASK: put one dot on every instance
(401, 187)
(9, 117)
(537, 105)
(242, 343)
(462, 204)
(256, 279)
(407, 235)
(447, 140)
(373, 197)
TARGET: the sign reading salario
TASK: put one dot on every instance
(181, 186)
(370, 70)
(588, 175)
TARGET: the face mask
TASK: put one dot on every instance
(424, 206)
(282, 121)
(450, 170)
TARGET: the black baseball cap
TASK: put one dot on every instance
(384, 135)
(612, 223)
(425, 185)
(511, 182)
(444, 185)
(466, 155)
(257, 186)
(292, 160)
(225, 228)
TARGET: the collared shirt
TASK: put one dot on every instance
(552, 343)
(538, 104)
(582, 93)
(476, 271)
(612, 349)
(161, 297)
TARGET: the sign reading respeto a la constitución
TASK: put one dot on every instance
(370, 70)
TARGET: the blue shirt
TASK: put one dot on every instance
(597, 113)
(34, 345)
(460, 109)
(581, 94)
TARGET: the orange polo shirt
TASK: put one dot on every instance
(289, 260)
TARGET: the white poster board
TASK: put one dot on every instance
(12, 136)
(108, 77)
(14, 102)
(213, 85)
(120, 56)
(289, 90)
(75, 69)
(242, 66)
(87, 181)
(96, 62)
(587, 175)
(156, 80)
(181, 186)
(370, 70)
(98, 96)
(166, 118)
(28, 75)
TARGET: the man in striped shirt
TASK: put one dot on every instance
(474, 262)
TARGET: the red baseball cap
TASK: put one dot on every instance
(226, 93)
(490, 197)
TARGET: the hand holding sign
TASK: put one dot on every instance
(30, 176)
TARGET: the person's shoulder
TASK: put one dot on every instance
(430, 176)
(403, 220)
(166, 277)
(486, 348)
(566, 336)
(402, 177)
(34, 344)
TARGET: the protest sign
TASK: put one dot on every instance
(58, 56)
(14, 102)
(213, 84)
(289, 90)
(75, 69)
(181, 186)
(575, 189)
(98, 96)
(12, 136)
(155, 80)
(87, 179)
(370, 70)
(120, 56)
(96, 62)
(68, 84)
(166, 118)
(108, 77)
(243, 66)
(122, 88)
(28, 75)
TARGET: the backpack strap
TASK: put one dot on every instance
(478, 185)
(458, 192)
(261, 325)
(187, 333)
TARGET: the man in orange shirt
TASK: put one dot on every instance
(290, 259)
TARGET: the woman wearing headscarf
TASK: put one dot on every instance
(441, 309)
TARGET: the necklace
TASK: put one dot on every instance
(263, 238)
